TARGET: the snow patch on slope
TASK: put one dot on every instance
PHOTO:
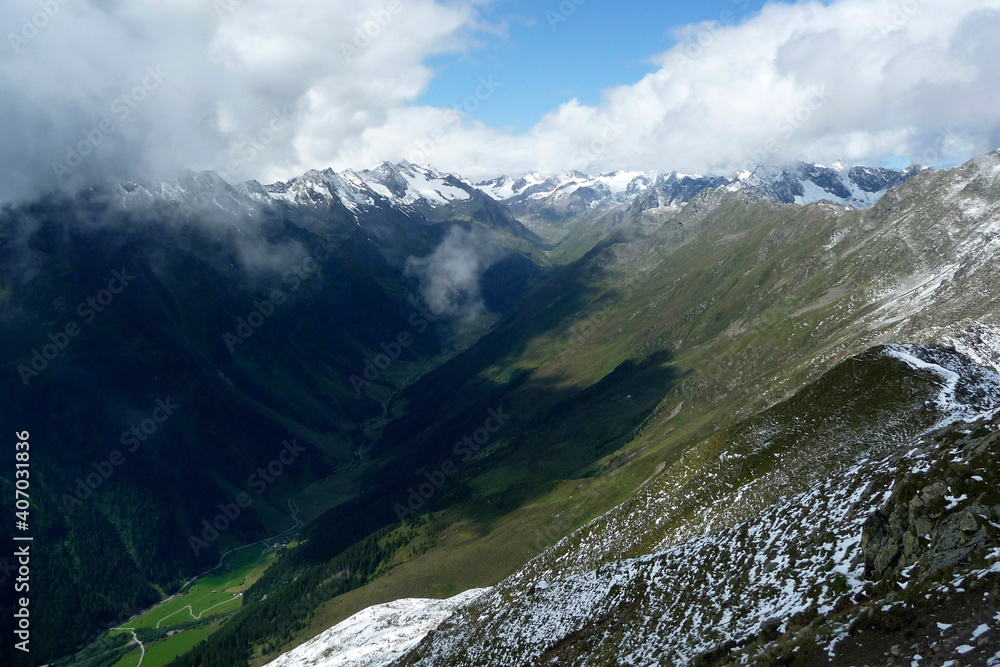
(704, 591)
(985, 383)
(978, 341)
(376, 636)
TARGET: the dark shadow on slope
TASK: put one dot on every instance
(555, 432)
(553, 304)
(161, 339)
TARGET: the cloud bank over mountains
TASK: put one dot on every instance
(107, 89)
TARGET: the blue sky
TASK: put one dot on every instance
(543, 62)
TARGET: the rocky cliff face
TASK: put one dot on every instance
(943, 514)
(930, 590)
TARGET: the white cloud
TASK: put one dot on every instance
(334, 68)
(449, 277)
(857, 80)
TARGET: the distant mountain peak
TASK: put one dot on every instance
(804, 183)
(563, 196)
(402, 184)
(549, 196)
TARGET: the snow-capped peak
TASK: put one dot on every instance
(407, 186)
(535, 186)
(538, 186)
(800, 183)
(805, 183)
(402, 184)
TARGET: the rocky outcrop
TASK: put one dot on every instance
(943, 514)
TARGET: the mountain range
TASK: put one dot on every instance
(643, 418)
(410, 187)
(554, 197)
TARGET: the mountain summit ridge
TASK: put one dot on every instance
(534, 194)
(799, 183)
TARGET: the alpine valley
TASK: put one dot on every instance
(398, 417)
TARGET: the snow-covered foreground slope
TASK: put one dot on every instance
(736, 557)
(377, 635)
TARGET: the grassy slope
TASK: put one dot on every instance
(164, 651)
(211, 598)
(863, 407)
(613, 313)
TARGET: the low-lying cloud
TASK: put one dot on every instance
(449, 278)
